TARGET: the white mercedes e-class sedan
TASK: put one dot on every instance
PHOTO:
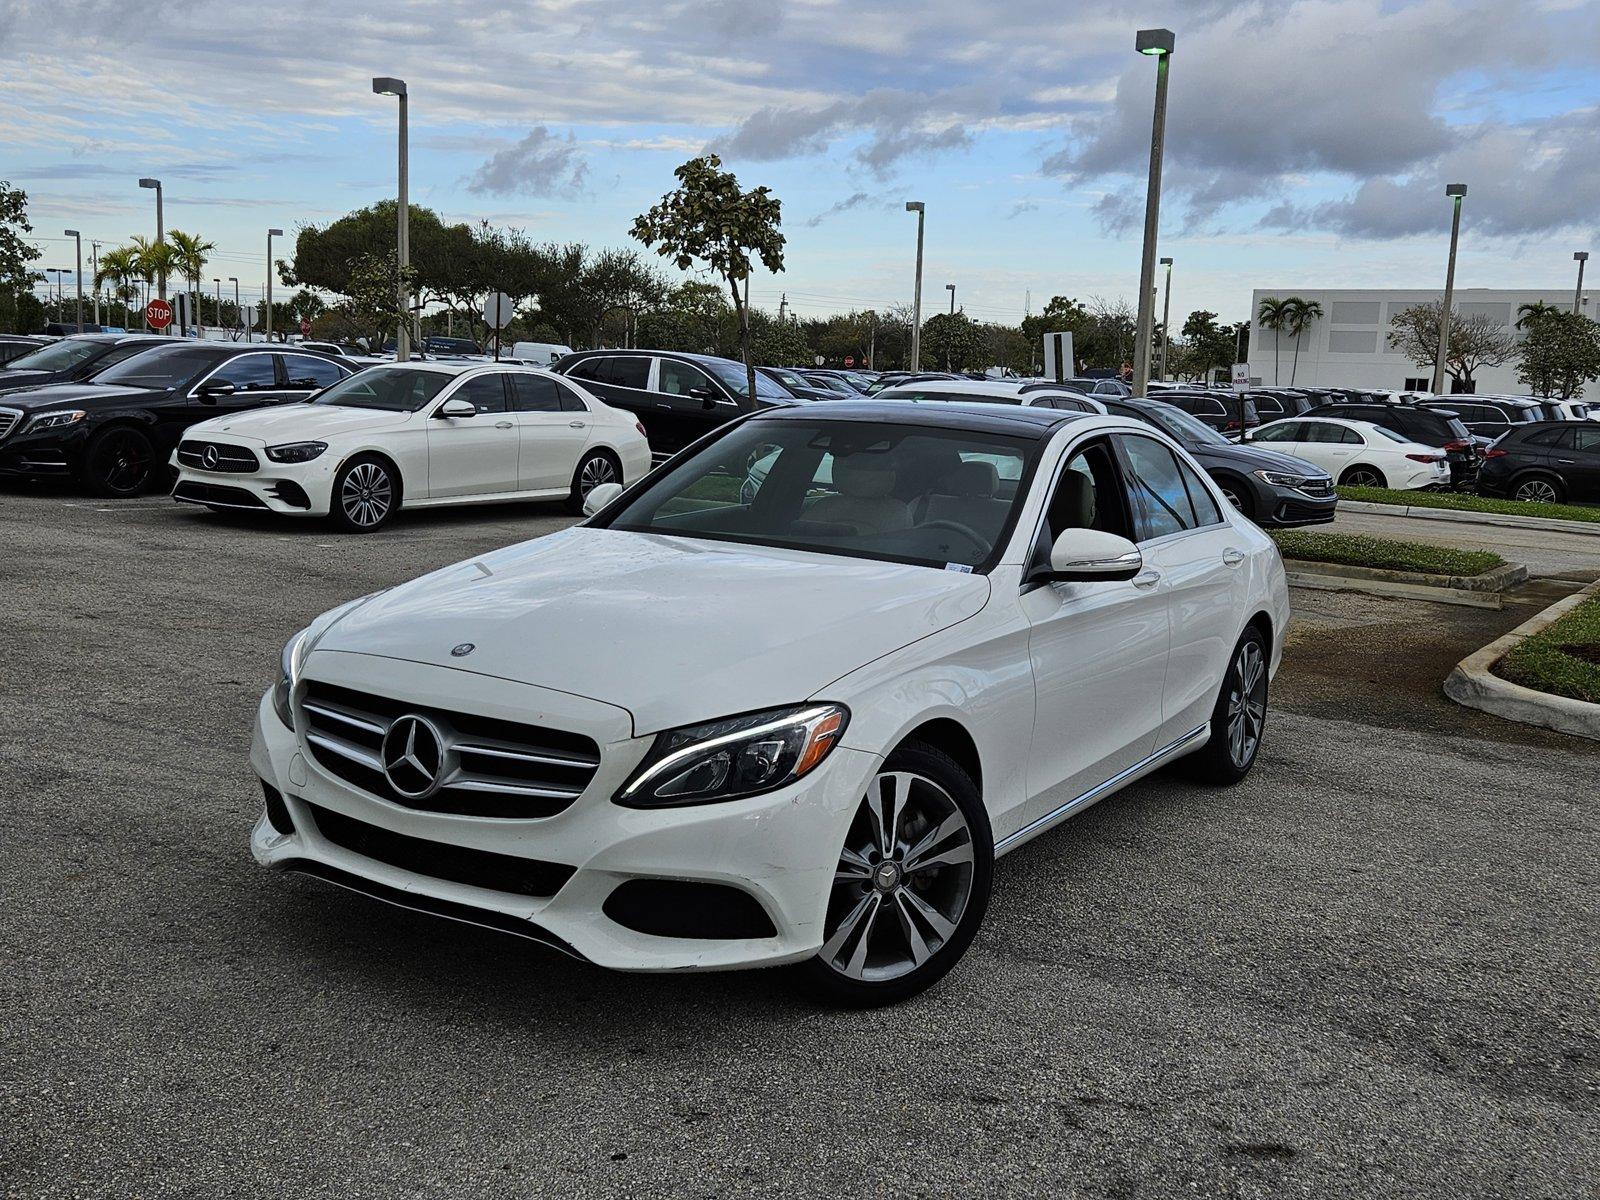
(716, 728)
(412, 435)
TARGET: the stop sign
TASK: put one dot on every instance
(305, 327)
(849, 362)
(158, 314)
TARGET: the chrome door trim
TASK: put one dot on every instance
(1098, 792)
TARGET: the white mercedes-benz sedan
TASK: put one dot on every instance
(714, 727)
(413, 435)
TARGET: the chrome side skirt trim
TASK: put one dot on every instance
(1099, 792)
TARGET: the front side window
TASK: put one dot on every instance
(734, 378)
(165, 367)
(58, 356)
(486, 393)
(389, 389)
(1288, 431)
(248, 373)
(1159, 493)
(1586, 440)
(900, 493)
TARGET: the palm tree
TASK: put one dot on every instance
(119, 267)
(190, 251)
(1303, 314)
(1274, 315)
(156, 260)
(1529, 315)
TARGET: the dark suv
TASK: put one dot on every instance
(1429, 426)
(74, 358)
(677, 397)
(1485, 416)
(1219, 409)
(1546, 462)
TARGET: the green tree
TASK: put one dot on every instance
(1528, 314)
(1302, 314)
(1560, 354)
(954, 341)
(17, 277)
(1277, 315)
(119, 271)
(708, 219)
(373, 288)
(694, 316)
(190, 253)
(778, 343)
(1209, 345)
(1475, 341)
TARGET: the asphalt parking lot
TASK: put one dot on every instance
(1369, 971)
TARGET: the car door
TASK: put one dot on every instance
(1577, 459)
(1098, 650)
(1197, 556)
(550, 437)
(1330, 446)
(477, 455)
(237, 383)
(698, 403)
(623, 381)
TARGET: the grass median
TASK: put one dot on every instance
(1382, 554)
(1461, 502)
(1562, 659)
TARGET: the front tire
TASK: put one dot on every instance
(911, 885)
(366, 495)
(1362, 475)
(1236, 494)
(596, 467)
(118, 463)
(1537, 489)
(1239, 718)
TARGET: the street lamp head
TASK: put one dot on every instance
(1455, 189)
(1155, 42)
(949, 287)
(1581, 256)
(233, 279)
(150, 183)
(274, 233)
(384, 85)
(1166, 262)
(70, 233)
(915, 206)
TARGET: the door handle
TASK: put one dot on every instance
(668, 407)
(1232, 557)
(1146, 579)
(502, 424)
(1567, 462)
(576, 424)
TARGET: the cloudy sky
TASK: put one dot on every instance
(1308, 140)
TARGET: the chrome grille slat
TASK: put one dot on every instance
(238, 460)
(506, 750)
(334, 713)
(10, 419)
(348, 750)
(474, 784)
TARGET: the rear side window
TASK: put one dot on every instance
(626, 372)
(306, 371)
(1545, 437)
(535, 393)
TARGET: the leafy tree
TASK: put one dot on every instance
(1560, 354)
(954, 341)
(1529, 313)
(17, 277)
(693, 316)
(1277, 315)
(190, 252)
(708, 219)
(1475, 341)
(778, 343)
(373, 288)
(156, 260)
(1208, 345)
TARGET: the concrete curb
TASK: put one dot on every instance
(1591, 529)
(1473, 591)
(1474, 685)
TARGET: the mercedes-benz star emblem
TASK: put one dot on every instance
(461, 651)
(413, 756)
(209, 457)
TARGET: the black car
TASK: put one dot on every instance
(113, 434)
(74, 358)
(796, 384)
(15, 345)
(1486, 416)
(1274, 404)
(1219, 410)
(677, 397)
(1547, 462)
(1428, 426)
(1271, 489)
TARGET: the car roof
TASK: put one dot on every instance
(971, 387)
(1015, 421)
(643, 353)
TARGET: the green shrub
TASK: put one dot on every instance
(1460, 502)
(1352, 550)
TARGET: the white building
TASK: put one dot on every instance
(1348, 346)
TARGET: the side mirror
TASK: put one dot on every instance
(599, 496)
(457, 409)
(215, 387)
(1091, 555)
(706, 396)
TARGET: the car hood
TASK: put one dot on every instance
(289, 422)
(10, 381)
(1253, 458)
(71, 395)
(675, 630)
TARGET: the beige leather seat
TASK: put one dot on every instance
(863, 499)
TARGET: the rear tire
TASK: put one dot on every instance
(366, 495)
(596, 467)
(1236, 494)
(1538, 489)
(1362, 475)
(911, 886)
(119, 462)
(1239, 718)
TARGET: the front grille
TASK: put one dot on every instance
(1319, 488)
(10, 418)
(440, 860)
(212, 493)
(485, 767)
(237, 459)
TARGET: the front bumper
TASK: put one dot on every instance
(50, 453)
(1285, 507)
(780, 849)
(293, 489)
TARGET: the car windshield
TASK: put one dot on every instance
(1182, 426)
(901, 493)
(161, 367)
(392, 389)
(733, 374)
(58, 356)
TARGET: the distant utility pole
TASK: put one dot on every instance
(1581, 257)
(918, 207)
(783, 306)
(94, 268)
(1455, 191)
(1157, 44)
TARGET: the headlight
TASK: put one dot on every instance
(296, 452)
(735, 757)
(1280, 479)
(288, 674)
(54, 420)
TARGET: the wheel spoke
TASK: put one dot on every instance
(946, 829)
(885, 809)
(858, 956)
(941, 925)
(852, 920)
(915, 942)
(853, 867)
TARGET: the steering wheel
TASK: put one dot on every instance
(977, 539)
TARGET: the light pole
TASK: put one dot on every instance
(218, 282)
(161, 237)
(1166, 320)
(94, 267)
(1158, 44)
(1581, 257)
(1455, 191)
(386, 86)
(920, 209)
(78, 238)
(951, 288)
(238, 312)
(271, 233)
(61, 308)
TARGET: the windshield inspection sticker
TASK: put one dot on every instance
(962, 567)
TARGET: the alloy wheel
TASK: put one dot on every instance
(1537, 491)
(1247, 703)
(596, 471)
(1362, 477)
(366, 495)
(1232, 498)
(124, 461)
(903, 881)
